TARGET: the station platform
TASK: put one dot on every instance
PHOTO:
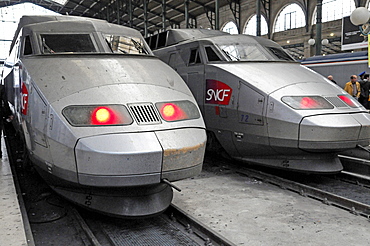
(250, 212)
(12, 228)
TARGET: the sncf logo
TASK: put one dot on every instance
(217, 92)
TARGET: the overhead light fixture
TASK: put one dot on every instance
(325, 41)
(311, 41)
(60, 2)
(360, 16)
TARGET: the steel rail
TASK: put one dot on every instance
(86, 229)
(356, 164)
(192, 225)
(305, 190)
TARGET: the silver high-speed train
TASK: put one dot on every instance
(261, 105)
(105, 122)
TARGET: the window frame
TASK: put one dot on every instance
(196, 58)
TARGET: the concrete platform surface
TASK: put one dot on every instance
(250, 212)
(12, 231)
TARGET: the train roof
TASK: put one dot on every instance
(180, 35)
(33, 21)
(175, 36)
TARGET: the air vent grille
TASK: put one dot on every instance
(144, 113)
(337, 102)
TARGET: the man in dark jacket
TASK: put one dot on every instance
(330, 77)
(5, 112)
(365, 87)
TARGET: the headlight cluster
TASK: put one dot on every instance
(111, 115)
(316, 102)
(97, 115)
(175, 111)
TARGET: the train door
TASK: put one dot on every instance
(38, 117)
(250, 133)
(195, 73)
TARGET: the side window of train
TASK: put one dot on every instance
(27, 46)
(211, 54)
(194, 57)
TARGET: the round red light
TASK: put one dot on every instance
(102, 116)
(171, 112)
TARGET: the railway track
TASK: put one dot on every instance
(54, 221)
(348, 190)
(330, 190)
(174, 227)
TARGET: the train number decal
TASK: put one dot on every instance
(217, 92)
(244, 118)
(24, 99)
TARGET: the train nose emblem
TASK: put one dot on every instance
(218, 92)
(24, 99)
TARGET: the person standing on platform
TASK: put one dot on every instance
(330, 77)
(5, 113)
(353, 87)
(365, 87)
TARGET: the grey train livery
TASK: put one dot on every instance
(260, 105)
(106, 123)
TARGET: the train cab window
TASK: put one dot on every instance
(162, 40)
(211, 54)
(280, 54)
(153, 42)
(27, 46)
(60, 43)
(194, 57)
(126, 44)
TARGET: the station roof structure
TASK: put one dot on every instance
(118, 11)
(153, 16)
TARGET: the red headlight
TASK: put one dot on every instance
(307, 102)
(181, 110)
(103, 116)
(172, 112)
(348, 100)
(97, 115)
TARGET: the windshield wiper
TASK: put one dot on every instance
(232, 57)
(47, 47)
(137, 45)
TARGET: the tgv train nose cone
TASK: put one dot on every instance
(118, 159)
(123, 202)
(334, 132)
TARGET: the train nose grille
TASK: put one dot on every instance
(336, 102)
(144, 113)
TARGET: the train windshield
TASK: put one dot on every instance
(126, 45)
(239, 51)
(243, 52)
(61, 43)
